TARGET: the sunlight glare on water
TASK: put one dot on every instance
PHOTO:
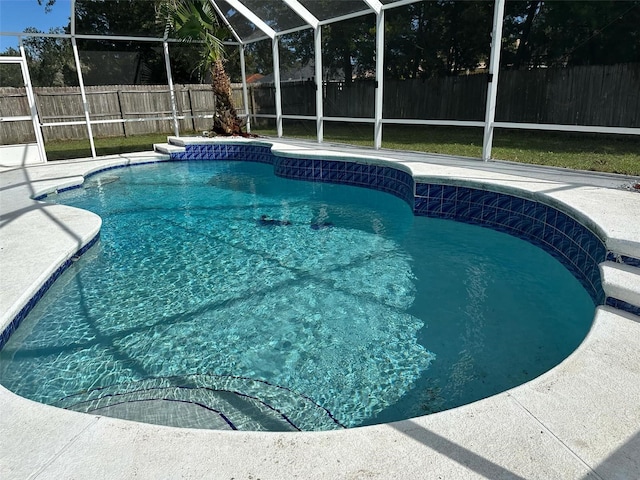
(304, 294)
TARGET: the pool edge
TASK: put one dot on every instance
(492, 437)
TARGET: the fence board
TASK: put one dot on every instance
(607, 95)
(13, 103)
(114, 102)
(355, 99)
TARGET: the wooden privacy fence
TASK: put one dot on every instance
(134, 103)
(605, 95)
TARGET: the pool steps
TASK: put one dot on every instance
(168, 148)
(620, 282)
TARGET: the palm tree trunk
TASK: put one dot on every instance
(225, 120)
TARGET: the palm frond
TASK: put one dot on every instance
(194, 21)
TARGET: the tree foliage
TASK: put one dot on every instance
(106, 61)
(195, 21)
(422, 40)
(10, 74)
(349, 47)
(583, 33)
(50, 61)
(110, 61)
(443, 37)
(562, 33)
(448, 37)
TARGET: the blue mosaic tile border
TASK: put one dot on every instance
(622, 305)
(17, 320)
(377, 177)
(117, 167)
(579, 249)
(106, 169)
(632, 262)
(386, 179)
(223, 151)
(614, 302)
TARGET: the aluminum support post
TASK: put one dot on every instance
(276, 80)
(83, 94)
(317, 46)
(33, 108)
(379, 98)
(245, 93)
(172, 93)
(492, 88)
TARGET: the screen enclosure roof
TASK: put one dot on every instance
(247, 20)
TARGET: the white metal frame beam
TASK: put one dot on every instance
(294, 30)
(243, 70)
(225, 20)
(569, 128)
(346, 16)
(399, 3)
(317, 48)
(271, 33)
(253, 18)
(308, 17)
(276, 81)
(303, 13)
(33, 109)
(245, 93)
(83, 93)
(374, 5)
(85, 36)
(172, 93)
(379, 93)
(492, 88)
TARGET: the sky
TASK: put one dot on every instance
(16, 15)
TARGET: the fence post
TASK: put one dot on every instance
(253, 102)
(124, 124)
(193, 120)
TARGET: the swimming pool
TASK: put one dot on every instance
(467, 313)
(548, 418)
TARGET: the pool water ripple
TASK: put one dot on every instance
(345, 298)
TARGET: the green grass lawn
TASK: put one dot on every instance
(596, 152)
(66, 149)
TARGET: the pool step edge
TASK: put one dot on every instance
(167, 148)
(621, 282)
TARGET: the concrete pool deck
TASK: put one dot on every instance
(581, 420)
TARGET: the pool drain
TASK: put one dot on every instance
(215, 402)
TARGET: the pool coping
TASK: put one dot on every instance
(579, 420)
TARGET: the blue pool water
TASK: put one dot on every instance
(221, 296)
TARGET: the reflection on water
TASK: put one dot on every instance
(373, 315)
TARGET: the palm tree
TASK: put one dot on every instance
(196, 21)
